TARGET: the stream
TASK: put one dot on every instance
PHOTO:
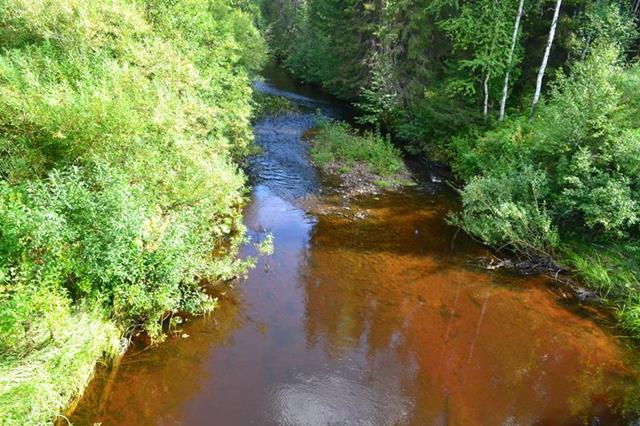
(371, 311)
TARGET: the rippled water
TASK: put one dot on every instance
(283, 165)
(371, 311)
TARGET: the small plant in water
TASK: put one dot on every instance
(265, 247)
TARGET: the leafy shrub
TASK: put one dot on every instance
(582, 141)
(120, 124)
(494, 152)
(510, 210)
(587, 150)
(429, 122)
(338, 142)
(91, 235)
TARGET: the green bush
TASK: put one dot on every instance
(510, 210)
(582, 141)
(567, 183)
(589, 149)
(120, 125)
(427, 123)
(337, 142)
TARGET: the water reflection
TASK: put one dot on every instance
(474, 347)
(334, 399)
(369, 312)
(165, 375)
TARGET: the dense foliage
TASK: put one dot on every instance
(567, 184)
(430, 69)
(336, 143)
(553, 175)
(120, 125)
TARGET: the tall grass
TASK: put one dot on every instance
(337, 142)
(120, 125)
(610, 269)
(33, 388)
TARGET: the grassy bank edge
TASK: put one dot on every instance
(607, 272)
(39, 388)
(338, 148)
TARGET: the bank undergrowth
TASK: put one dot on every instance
(548, 170)
(337, 142)
(121, 122)
(567, 184)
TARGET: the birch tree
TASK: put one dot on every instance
(485, 86)
(514, 40)
(479, 30)
(545, 58)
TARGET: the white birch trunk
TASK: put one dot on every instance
(485, 85)
(514, 39)
(545, 59)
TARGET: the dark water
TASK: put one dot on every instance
(369, 312)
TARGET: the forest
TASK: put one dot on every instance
(126, 127)
(535, 106)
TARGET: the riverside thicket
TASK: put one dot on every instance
(121, 123)
(534, 103)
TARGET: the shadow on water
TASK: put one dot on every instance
(369, 313)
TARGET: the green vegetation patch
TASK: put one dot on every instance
(121, 123)
(268, 104)
(337, 143)
(566, 185)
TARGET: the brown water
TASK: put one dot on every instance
(369, 312)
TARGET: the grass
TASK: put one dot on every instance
(267, 104)
(613, 272)
(33, 389)
(338, 143)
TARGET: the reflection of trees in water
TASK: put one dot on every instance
(152, 383)
(376, 264)
(468, 350)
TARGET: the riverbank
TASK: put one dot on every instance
(121, 127)
(370, 309)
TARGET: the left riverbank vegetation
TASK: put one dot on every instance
(533, 103)
(121, 125)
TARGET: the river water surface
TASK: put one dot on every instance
(371, 311)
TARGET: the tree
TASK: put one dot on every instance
(480, 35)
(514, 39)
(545, 58)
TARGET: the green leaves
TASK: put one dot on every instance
(337, 142)
(582, 142)
(510, 210)
(119, 125)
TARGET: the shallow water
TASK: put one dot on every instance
(371, 311)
